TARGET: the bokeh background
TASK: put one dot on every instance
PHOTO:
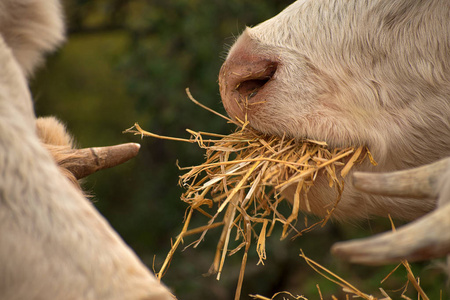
(129, 61)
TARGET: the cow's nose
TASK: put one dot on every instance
(243, 79)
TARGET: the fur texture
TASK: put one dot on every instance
(53, 242)
(31, 28)
(55, 138)
(373, 73)
(52, 131)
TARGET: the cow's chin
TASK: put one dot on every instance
(321, 198)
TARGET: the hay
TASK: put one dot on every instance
(242, 181)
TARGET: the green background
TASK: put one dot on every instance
(130, 61)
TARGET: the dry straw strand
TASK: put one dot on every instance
(334, 278)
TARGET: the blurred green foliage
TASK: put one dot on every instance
(130, 61)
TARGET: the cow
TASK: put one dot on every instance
(53, 242)
(358, 73)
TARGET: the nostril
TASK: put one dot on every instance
(250, 88)
(247, 78)
(251, 85)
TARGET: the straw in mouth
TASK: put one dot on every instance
(242, 181)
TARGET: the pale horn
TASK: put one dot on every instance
(421, 182)
(425, 238)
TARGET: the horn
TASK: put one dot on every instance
(90, 160)
(421, 182)
(425, 238)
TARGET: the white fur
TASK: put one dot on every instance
(53, 242)
(31, 28)
(353, 72)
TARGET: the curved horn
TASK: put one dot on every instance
(426, 238)
(91, 160)
(420, 182)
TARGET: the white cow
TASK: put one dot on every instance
(351, 72)
(53, 242)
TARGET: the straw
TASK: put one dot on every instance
(243, 179)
